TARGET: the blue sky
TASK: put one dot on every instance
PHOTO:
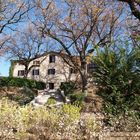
(4, 67)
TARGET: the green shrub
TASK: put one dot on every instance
(72, 111)
(77, 98)
(20, 82)
(67, 87)
(51, 101)
(118, 77)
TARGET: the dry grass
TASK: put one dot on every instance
(27, 123)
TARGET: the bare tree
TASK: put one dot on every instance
(134, 6)
(132, 18)
(77, 26)
(26, 46)
(11, 13)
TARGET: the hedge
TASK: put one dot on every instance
(21, 82)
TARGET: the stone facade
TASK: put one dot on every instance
(49, 68)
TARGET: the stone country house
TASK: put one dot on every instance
(49, 68)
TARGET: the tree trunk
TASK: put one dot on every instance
(84, 82)
(83, 74)
(26, 71)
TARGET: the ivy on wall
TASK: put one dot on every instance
(11, 69)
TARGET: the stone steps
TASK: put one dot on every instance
(43, 97)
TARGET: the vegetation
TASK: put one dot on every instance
(22, 96)
(12, 13)
(41, 123)
(21, 82)
(68, 87)
(134, 7)
(11, 69)
(118, 76)
(28, 40)
(77, 28)
(51, 101)
(77, 98)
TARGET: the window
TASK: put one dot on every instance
(91, 67)
(73, 70)
(21, 73)
(35, 72)
(51, 85)
(52, 59)
(36, 62)
(51, 71)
